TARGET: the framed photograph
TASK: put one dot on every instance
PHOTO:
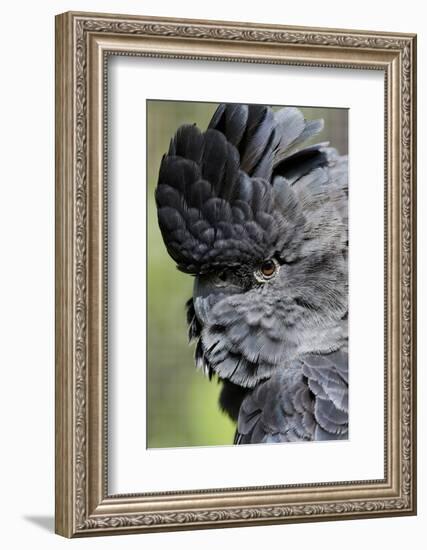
(235, 274)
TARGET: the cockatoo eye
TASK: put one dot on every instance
(267, 271)
(268, 268)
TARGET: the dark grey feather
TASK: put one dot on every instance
(208, 212)
(284, 407)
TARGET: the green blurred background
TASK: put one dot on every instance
(182, 407)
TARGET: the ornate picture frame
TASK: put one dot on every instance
(84, 42)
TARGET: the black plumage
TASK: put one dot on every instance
(308, 401)
(243, 193)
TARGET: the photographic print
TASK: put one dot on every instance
(247, 274)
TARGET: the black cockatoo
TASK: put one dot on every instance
(261, 222)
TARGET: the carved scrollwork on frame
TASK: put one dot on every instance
(404, 48)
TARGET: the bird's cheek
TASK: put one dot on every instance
(203, 306)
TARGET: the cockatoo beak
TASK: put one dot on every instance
(207, 291)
